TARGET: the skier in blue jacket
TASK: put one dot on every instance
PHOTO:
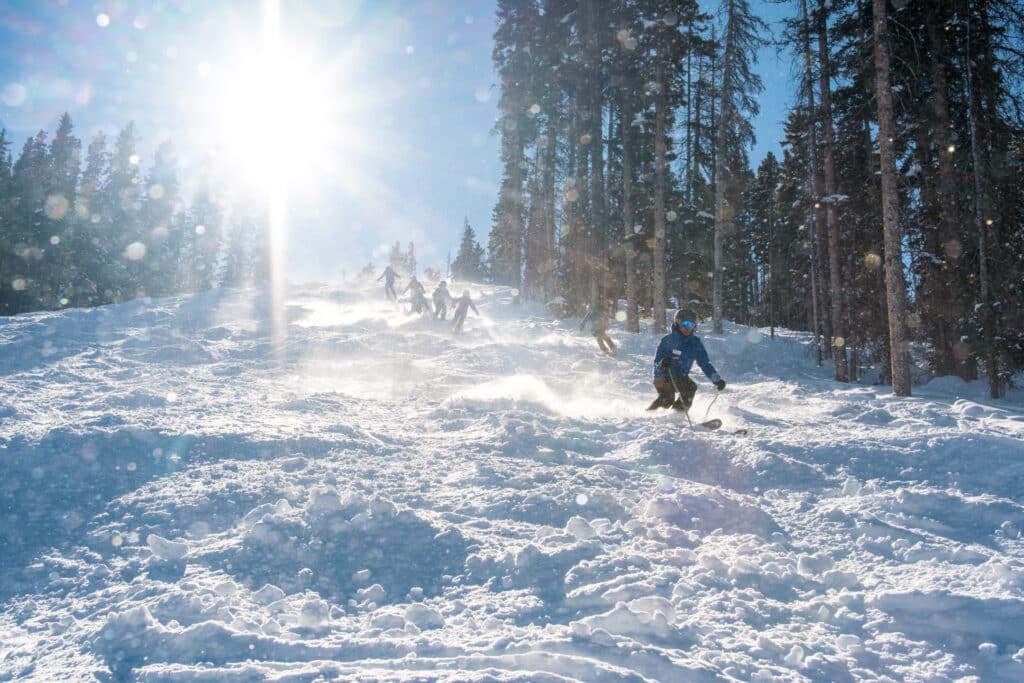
(677, 353)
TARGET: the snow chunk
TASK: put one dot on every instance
(374, 593)
(314, 614)
(848, 642)
(324, 501)
(168, 551)
(387, 620)
(623, 620)
(268, 594)
(294, 464)
(423, 617)
(580, 528)
(795, 657)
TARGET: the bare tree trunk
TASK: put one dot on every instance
(814, 183)
(660, 105)
(725, 119)
(834, 261)
(772, 262)
(981, 225)
(550, 158)
(632, 317)
(597, 231)
(534, 239)
(517, 216)
(814, 308)
(946, 200)
(572, 235)
(689, 123)
(896, 287)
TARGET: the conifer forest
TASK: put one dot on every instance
(892, 227)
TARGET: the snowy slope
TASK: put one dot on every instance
(381, 501)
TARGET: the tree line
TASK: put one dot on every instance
(892, 226)
(99, 230)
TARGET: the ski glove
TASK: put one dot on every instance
(666, 363)
(720, 384)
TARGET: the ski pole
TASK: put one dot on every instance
(711, 404)
(686, 411)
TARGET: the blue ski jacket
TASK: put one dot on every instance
(685, 350)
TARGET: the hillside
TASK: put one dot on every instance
(375, 499)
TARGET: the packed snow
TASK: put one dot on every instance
(186, 497)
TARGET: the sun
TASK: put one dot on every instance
(275, 116)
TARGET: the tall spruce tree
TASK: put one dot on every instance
(469, 260)
(119, 201)
(742, 37)
(895, 284)
(163, 243)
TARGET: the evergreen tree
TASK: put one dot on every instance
(60, 267)
(742, 38)
(199, 263)
(159, 202)
(513, 39)
(895, 284)
(395, 256)
(469, 261)
(409, 260)
(7, 294)
(90, 243)
(118, 203)
(27, 234)
(246, 258)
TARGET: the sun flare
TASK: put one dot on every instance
(274, 120)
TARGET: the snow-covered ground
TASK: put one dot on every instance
(377, 500)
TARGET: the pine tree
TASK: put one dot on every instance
(6, 227)
(119, 201)
(895, 284)
(469, 261)
(246, 258)
(513, 37)
(28, 227)
(60, 269)
(409, 260)
(89, 242)
(395, 256)
(741, 40)
(201, 242)
(159, 202)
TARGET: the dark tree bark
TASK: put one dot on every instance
(896, 288)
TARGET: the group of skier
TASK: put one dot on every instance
(677, 352)
(441, 297)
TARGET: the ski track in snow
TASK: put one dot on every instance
(377, 500)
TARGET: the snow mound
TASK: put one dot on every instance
(343, 546)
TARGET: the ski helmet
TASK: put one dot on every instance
(685, 315)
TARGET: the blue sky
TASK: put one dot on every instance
(403, 150)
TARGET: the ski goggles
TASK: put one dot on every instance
(688, 324)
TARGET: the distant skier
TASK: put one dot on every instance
(441, 298)
(417, 296)
(389, 276)
(463, 303)
(597, 318)
(414, 286)
(420, 303)
(676, 354)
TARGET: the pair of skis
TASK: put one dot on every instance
(709, 425)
